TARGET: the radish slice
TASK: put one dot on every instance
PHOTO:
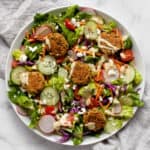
(46, 124)
(21, 111)
(116, 109)
(88, 10)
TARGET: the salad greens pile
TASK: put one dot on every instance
(74, 75)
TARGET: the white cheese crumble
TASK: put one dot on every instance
(110, 99)
(66, 86)
(73, 21)
(100, 98)
(83, 110)
(23, 58)
(64, 121)
(84, 47)
(32, 49)
(74, 86)
(112, 72)
(79, 54)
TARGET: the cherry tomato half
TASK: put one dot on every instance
(49, 109)
(127, 55)
(69, 25)
(14, 63)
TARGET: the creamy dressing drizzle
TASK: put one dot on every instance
(109, 45)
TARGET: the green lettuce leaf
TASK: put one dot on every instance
(113, 124)
(127, 43)
(19, 98)
(57, 83)
(138, 78)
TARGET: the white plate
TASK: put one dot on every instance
(88, 139)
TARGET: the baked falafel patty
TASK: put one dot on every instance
(57, 44)
(80, 73)
(33, 82)
(114, 39)
(94, 119)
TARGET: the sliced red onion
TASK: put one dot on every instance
(28, 63)
(46, 123)
(21, 111)
(111, 87)
(105, 101)
(88, 10)
(74, 109)
(65, 136)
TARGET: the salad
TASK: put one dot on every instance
(74, 75)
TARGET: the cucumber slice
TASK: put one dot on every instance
(90, 30)
(62, 73)
(125, 100)
(49, 96)
(128, 74)
(15, 74)
(47, 65)
(98, 19)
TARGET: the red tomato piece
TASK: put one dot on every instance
(69, 25)
(14, 63)
(49, 109)
(127, 55)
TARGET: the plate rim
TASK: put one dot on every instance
(7, 74)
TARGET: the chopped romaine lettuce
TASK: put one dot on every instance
(40, 18)
(17, 54)
(130, 88)
(127, 43)
(77, 141)
(19, 98)
(127, 112)
(67, 96)
(113, 125)
(110, 26)
(77, 134)
(57, 82)
(87, 90)
(71, 36)
(83, 15)
(136, 99)
(138, 78)
(34, 116)
(70, 12)
(91, 59)
(117, 82)
(106, 92)
(33, 51)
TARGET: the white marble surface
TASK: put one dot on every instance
(135, 15)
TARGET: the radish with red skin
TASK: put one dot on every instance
(88, 10)
(46, 124)
(21, 111)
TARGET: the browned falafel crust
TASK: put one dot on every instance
(95, 116)
(81, 73)
(59, 45)
(114, 38)
(36, 82)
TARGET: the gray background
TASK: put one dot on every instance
(135, 15)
